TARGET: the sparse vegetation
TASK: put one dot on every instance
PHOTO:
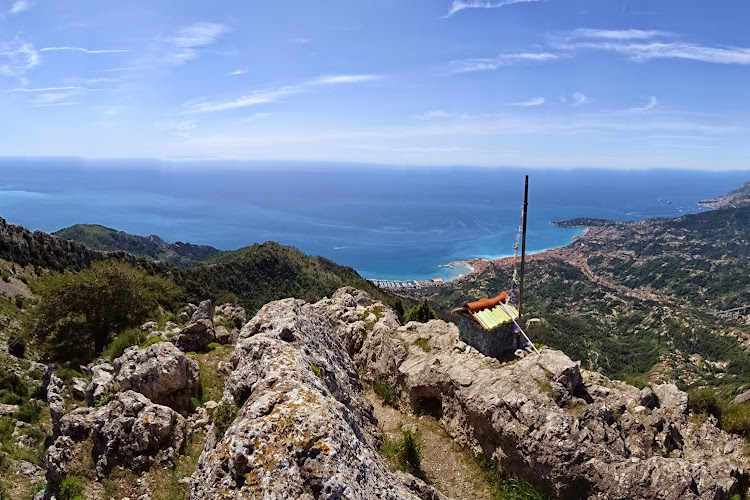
(224, 415)
(385, 390)
(316, 370)
(421, 313)
(423, 343)
(405, 453)
(128, 338)
(153, 340)
(506, 487)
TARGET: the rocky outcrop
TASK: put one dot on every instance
(134, 432)
(161, 372)
(199, 332)
(304, 428)
(55, 388)
(573, 433)
(102, 375)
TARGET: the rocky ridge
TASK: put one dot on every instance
(571, 432)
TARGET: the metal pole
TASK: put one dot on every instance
(523, 246)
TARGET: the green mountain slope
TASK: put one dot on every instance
(152, 247)
(263, 272)
(637, 299)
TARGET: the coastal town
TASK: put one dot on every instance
(406, 283)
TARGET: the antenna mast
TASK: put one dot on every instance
(523, 246)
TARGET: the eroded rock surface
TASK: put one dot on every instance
(575, 434)
(136, 433)
(304, 428)
(161, 372)
(199, 332)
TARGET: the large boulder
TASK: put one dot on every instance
(135, 433)
(671, 397)
(199, 332)
(161, 372)
(304, 428)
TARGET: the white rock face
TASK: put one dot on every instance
(161, 372)
(136, 433)
(574, 433)
(298, 434)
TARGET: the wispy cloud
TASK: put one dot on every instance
(643, 46)
(238, 72)
(48, 89)
(433, 115)
(652, 103)
(184, 44)
(489, 64)
(16, 58)
(301, 41)
(534, 101)
(580, 98)
(459, 5)
(264, 96)
(619, 34)
(18, 7)
(81, 49)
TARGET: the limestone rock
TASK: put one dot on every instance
(77, 424)
(226, 337)
(297, 434)
(199, 332)
(190, 310)
(203, 311)
(102, 375)
(149, 325)
(671, 397)
(229, 311)
(55, 399)
(160, 372)
(134, 432)
(573, 433)
(745, 396)
(7, 409)
(79, 388)
(61, 457)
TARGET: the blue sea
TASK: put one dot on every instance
(385, 222)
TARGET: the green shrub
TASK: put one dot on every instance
(735, 418)
(237, 322)
(316, 370)
(421, 313)
(13, 390)
(423, 343)
(385, 390)
(224, 415)
(227, 297)
(506, 487)
(79, 313)
(703, 401)
(151, 341)
(213, 345)
(30, 412)
(128, 338)
(6, 276)
(411, 453)
(404, 454)
(636, 380)
(70, 488)
(3, 492)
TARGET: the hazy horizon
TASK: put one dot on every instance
(524, 83)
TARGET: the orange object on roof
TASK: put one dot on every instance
(487, 303)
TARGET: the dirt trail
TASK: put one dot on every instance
(449, 469)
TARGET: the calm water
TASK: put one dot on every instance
(386, 222)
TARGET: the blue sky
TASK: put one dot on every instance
(532, 83)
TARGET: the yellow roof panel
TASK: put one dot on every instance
(492, 318)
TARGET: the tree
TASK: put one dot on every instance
(422, 313)
(79, 313)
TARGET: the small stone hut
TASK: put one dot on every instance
(487, 326)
